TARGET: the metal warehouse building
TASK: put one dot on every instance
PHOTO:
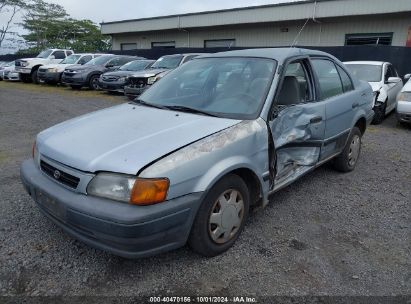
(330, 23)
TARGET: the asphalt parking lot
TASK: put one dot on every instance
(327, 234)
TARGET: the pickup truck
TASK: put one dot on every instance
(28, 67)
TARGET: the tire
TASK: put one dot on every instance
(75, 87)
(93, 82)
(348, 158)
(25, 78)
(34, 77)
(210, 239)
(380, 114)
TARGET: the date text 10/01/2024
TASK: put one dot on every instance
(202, 300)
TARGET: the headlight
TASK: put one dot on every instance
(122, 79)
(129, 189)
(151, 80)
(404, 96)
(24, 63)
(52, 70)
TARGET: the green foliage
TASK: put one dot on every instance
(49, 26)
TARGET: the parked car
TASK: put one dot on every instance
(139, 82)
(184, 162)
(116, 80)
(5, 69)
(52, 73)
(385, 82)
(404, 102)
(87, 75)
(28, 67)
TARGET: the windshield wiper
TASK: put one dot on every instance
(189, 110)
(143, 103)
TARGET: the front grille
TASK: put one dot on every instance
(59, 176)
(110, 78)
(137, 82)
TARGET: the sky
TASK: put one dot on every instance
(106, 11)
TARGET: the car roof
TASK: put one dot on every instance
(365, 62)
(279, 54)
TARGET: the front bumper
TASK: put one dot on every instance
(22, 70)
(74, 79)
(112, 86)
(133, 91)
(404, 111)
(122, 229)
(49, 76)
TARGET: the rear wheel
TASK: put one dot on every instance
(348, 159)
(93, 82)
(221, 217)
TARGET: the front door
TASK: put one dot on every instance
(297, 124)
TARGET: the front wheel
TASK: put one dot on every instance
(93, 82)
(348, 159)
(221, 217)
(379, 114)
(34, 77)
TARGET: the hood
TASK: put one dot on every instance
(376, 86)
(120, 73)
(87, 67)
(407, 86)
(31, 59)
(148, 73)
(124, 138)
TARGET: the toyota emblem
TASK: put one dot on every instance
(56, 174)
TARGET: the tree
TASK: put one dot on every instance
(48, 25)
(8, 11)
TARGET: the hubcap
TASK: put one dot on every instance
(95, 83)
(226, 216)
(354, 150)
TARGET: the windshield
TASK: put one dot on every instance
(136, 65)
(102, 60)
(366, 72)
(224, 87)
(44, 54)
(71, 59)
(167, 62)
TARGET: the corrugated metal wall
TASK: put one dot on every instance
(273, 13)
(330, 32)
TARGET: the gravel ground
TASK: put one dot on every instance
(327, 234)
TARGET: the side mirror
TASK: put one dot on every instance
(109, 65)
(394, 80)
(407, 76)
(52, 57)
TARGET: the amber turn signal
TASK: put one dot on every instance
(149, 191)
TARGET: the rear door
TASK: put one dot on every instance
(336, 92)
(297, 123)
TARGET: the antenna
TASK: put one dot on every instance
(299, 33)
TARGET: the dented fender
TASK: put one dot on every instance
(198, 166)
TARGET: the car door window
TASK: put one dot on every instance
(329, 80)
(295, 87)
(113, 62)
(85, 59)
(59, 55)
(346, 80)
(390, 72)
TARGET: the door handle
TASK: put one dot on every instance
(355, 105)
(316, 119)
